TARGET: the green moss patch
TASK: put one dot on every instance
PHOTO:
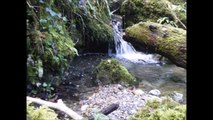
(164, 38)
(165, 110)
(40, 113)
(112, 71)
(152, 10)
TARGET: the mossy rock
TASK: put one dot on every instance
(50, 47)
(99, 35)
(56, 28)
(112, 71)
(150, 10)
(166, 109)
(93, 22)
(162, 39)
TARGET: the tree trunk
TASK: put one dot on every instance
(168, 41)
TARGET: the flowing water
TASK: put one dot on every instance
(146, 68)
(165, 77)
(126, 50)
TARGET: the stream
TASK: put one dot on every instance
(79, 84)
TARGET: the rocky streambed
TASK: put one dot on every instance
(86, 98)
(129, 99)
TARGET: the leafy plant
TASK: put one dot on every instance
(49, 45)
(166, 21)
(166, 109)
(98, 115)
(40, 113)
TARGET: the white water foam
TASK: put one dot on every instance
(125, 50)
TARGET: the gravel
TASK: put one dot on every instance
(129, 100)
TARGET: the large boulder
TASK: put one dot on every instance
(162, 39)
(112, 71)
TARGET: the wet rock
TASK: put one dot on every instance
(84, 107)
(112, 71)
(151, 97)
(120, 87)
(138, 92)
(178, 97)
(155, 92)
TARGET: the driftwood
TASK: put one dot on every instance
(59, 106)
(62, 107)
(107, 110)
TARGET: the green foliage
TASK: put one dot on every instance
(52, 28)
(49, 45)
(99, 31)
(152, 10)
(98, 115)
(40, 113)
(167, 109)
(166, 21)
(141, 10)
(112, 71)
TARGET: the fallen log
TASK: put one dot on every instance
(165, 40)
(59, 106)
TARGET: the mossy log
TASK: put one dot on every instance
(168, 41)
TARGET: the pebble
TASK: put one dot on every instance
(138, 92)
(155, 92)
(130, 101)
(84, 107)
(178, 97)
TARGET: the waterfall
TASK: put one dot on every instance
(126, 50)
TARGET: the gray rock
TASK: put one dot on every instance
(177, 97)
(155, 92)
(84, 107)
(138, 92)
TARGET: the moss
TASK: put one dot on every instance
(90, 29)
(100, 31)
(112, 71)
(40, 113)
(48, 43)
(141, 10)
(162, 39)
(166, 38)
(139, 31)
(149, 10)
(166, 109)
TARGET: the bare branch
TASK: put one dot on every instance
(59, 106)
